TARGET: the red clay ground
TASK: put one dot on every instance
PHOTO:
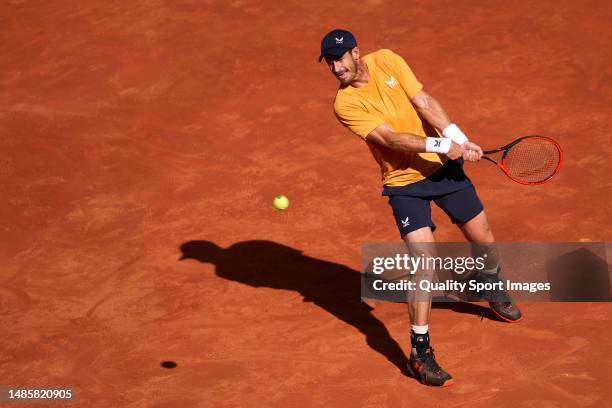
(131, 128)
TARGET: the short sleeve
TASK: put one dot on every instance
(356, 119)
(405, 76)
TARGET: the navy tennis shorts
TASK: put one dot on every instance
(448, 187)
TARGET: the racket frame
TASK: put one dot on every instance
(507, 148)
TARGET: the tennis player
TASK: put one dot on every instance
(420, 152)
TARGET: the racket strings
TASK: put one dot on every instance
(532, 160)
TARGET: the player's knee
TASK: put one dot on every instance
(487, 232)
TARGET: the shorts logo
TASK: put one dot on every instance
(405, 222)
(339, 40)
(391, 82)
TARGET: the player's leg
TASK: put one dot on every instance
(477, 229)
(413, 218)
(419, 307)
(422, 363)
(465, 209)
(478, 232)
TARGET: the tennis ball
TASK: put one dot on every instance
(280, 202)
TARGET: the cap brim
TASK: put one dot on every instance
(335, 52)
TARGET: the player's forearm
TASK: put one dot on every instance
(408, 142)
(405, 142)
(386, 137)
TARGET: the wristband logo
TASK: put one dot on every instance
(437, 143)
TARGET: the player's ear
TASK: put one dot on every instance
(355, 53)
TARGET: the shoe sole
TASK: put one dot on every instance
(505, 318)
(446, 383)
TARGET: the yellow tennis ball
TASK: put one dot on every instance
(280, 202)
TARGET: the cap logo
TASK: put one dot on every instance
(339, 40)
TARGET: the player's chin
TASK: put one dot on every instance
(344, 80)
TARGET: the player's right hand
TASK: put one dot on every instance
(472, 152)
(455, 152)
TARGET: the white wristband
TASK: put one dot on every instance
(437, 145)
(455, 134)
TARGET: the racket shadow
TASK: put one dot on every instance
(333, 287)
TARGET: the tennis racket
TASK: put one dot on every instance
(529, 160)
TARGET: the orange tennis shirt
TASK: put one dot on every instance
(386, 99)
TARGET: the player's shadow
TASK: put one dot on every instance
(333, 287)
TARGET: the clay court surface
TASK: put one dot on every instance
(130, 130)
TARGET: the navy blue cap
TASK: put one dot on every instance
(336, 43)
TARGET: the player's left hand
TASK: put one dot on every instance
(472, 152)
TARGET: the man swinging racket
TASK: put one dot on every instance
(380, 100)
